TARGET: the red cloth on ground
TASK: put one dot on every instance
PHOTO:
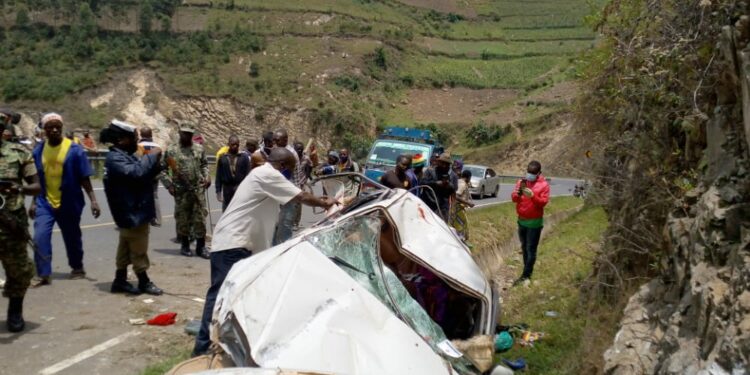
(168, 318)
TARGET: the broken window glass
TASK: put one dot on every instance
(353, 246)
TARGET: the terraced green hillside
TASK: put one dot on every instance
(352, 63)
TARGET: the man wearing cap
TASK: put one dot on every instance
(63, 170)
(186, 178)
(16, 167)
(443, 182)
(415, 173)
(128, 184)
(247, 226)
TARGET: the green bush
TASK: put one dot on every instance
(482, 134)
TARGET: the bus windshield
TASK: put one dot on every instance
(385, 152)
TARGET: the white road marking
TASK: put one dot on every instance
(98, 225)
(88, 353)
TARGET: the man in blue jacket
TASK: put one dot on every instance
(128, 184)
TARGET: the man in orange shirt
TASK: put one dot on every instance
(87, 142)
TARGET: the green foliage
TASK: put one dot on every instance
(146, 16)
(482, 134)
(652, 96)
(349, 82)
(22, 17)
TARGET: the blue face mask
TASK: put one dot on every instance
(286, 173)
(531, 177)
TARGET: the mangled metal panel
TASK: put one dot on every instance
(303, 311)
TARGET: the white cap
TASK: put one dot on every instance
(122, 125)
(52, 116)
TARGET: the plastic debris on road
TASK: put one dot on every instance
(551, 314)
(137, 322)
(528, 338)
(148, 300)
(192, 327)
(503, 342)
(516, 365)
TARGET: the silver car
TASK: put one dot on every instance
(484, 181)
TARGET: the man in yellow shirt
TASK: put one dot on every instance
(63, 170)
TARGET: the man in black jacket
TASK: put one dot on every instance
(443, 182)
(231, 169)
(128, 184)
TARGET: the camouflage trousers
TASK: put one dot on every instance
(190, 214)
(16, 262)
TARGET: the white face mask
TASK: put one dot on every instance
(531, 177)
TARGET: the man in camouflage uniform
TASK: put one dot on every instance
(186, 177)
(16, 166)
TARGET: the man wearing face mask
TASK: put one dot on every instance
(247, 226)
(530, 195)
(128, 184)
(397, 177)
(443, 182)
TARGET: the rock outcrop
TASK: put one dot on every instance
(695, 317)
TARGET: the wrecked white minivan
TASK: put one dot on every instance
(380, 286)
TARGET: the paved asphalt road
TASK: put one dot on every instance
(78, 327)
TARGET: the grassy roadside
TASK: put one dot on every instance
(574, 340)
(179, 354)
(493, 226)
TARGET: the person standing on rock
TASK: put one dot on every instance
(16, 167)
(129, 186)
(186, 178)
(247, 227)
(231, 169)
(530, 195)
(63, 170)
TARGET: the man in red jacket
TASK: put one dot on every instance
(530, 195)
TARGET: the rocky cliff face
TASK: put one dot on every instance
(695, 318)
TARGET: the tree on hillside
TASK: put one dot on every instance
(146, 16)
(84, 31)
(22, 17)
(86, 25)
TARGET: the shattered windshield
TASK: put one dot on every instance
(386, 152)
(353, 246)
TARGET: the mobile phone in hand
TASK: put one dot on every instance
(521, 186)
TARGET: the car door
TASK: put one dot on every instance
(493, 181)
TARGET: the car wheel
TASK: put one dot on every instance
(481, 193)
(497, 191)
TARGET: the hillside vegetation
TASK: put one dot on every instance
(352, 64)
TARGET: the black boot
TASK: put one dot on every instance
(146, 286)
(185, 248)
(121, 284)
(15, 320)
(200, 248)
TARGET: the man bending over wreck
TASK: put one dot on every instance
(247, 226)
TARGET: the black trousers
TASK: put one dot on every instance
(529, 242)
(221, 263)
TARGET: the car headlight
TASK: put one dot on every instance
(474, 184)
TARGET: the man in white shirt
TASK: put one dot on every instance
(247, 226)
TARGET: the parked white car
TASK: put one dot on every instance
(380, 286)
(484, 181)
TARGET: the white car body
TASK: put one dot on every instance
(325, 301)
